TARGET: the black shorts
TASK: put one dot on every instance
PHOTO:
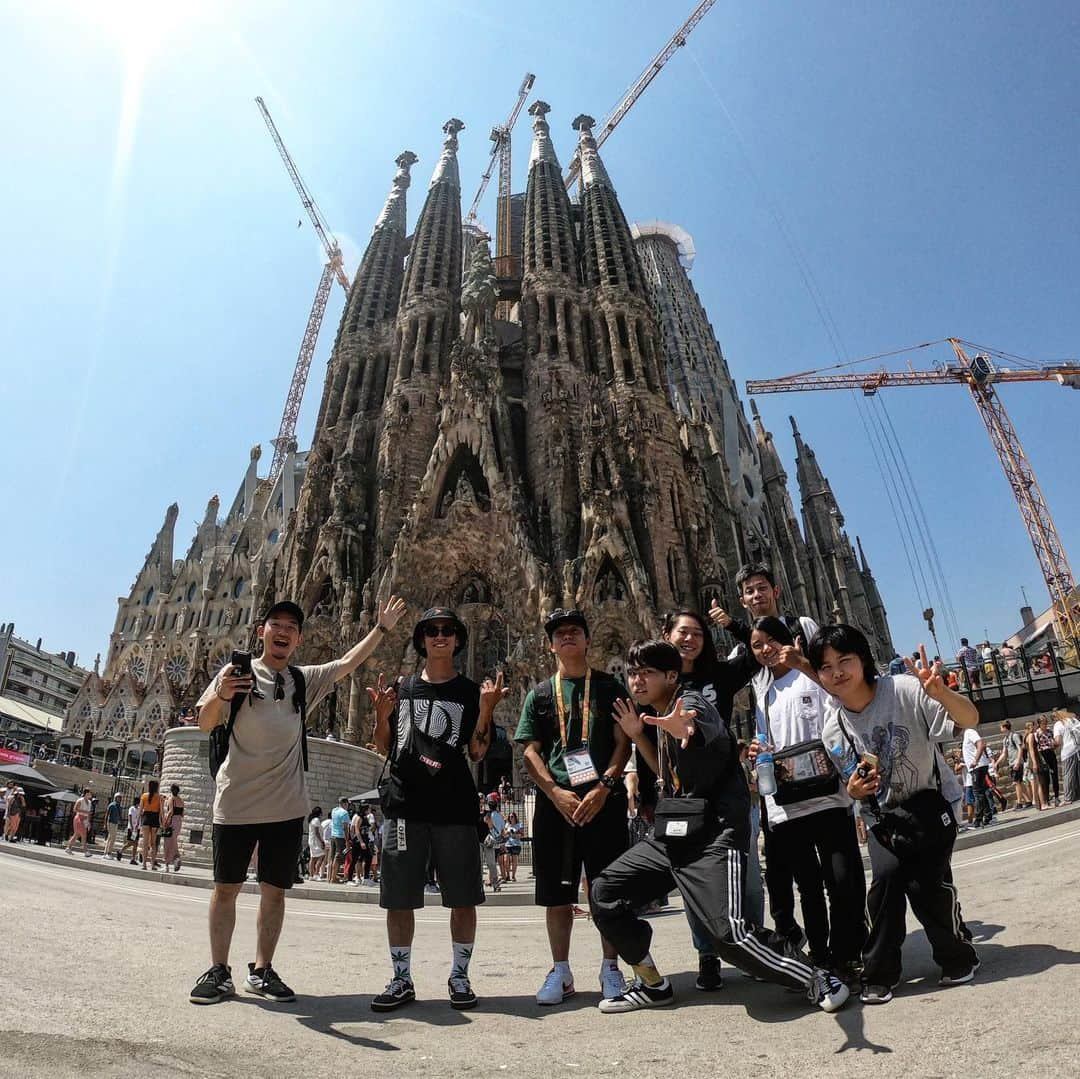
(453, 848)
(561, 851)
(279, 851)
(150, 820)
(337, 846)
(1017, 773)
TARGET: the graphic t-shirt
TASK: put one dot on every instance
(434, 768)
(339, 820)
(796, 713)
(261, 779)
(900, 725)
(535, 726)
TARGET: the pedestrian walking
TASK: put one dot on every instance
(149, 823)
(80, 822)
(977, 759)
(261, 797)
(1012, 755)
(15, 806)
(316, 846)
(131, 837)
(339, 826)
(1067, 743)
(114, 814)
(172, 820)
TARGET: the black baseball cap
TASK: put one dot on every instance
(285, 606)
(439, 614)
(561, 617)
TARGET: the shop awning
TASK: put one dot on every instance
(27, 776)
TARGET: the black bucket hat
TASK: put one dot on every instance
(285, 606)
(439, 614)
(562, 617)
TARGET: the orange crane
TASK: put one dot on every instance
(638, 87)
(333, 270)
(500, 152)
(979, 374)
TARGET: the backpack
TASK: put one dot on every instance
(221, 735)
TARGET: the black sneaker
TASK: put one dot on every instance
(264, 982)
(214, 986)
(962, 978)
(876, 994)
(708, 977)
(639, 995)
(462, 996)
(850, 973)
(827, 991)
(398, 991)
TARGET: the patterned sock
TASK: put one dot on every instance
(462, 955)
(402, 960)
(646, 970)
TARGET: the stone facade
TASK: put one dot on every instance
(335, 768)
(571, 437)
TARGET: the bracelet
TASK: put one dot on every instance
(381, 627)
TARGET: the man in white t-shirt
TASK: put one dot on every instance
(1067, 743)
(977, 759)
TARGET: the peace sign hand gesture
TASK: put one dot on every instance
(491, 693)
(930, 676)
(383, 698)
(679, 722)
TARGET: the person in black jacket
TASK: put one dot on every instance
(704, 850)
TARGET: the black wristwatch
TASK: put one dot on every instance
(611, 782)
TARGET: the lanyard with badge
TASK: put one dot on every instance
(578, 762)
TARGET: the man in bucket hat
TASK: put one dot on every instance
(427, 727)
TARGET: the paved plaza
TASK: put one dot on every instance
(98, 968)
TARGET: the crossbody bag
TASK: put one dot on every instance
(803, 771)
(678, 822)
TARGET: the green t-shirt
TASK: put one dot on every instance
(546, 731)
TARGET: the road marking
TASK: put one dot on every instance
(1015, 850)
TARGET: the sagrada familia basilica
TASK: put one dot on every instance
(562, 433)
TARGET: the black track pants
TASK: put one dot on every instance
(710, 880)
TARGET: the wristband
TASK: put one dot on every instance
(611, 782)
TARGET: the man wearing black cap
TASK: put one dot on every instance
(575, 752)
(261, 796)
(425, 728)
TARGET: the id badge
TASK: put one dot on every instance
(579, 766)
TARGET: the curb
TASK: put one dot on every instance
(1009, 829)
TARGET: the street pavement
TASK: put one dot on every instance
(97, 970)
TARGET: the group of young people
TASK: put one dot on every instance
(831, 730)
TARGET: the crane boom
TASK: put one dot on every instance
(500, 136)
(322, 229)
(614, 118)
(285, 442)
(979, 375)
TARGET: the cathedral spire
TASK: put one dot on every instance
(549, 247)
(446, 169)
(592, 168)
(542, 148)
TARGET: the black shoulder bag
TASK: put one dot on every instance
(679, 823)
(920, 825)
(803, 771)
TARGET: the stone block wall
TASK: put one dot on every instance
(335, 768)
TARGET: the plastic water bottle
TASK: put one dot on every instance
(844, 767)
(766, 773)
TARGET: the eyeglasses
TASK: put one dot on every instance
(440, 631)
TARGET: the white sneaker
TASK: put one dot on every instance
(612, 982)
(555, 990)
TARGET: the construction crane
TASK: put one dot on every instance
(980, 374)
(285, 442)
(614, 118)
(500, 153)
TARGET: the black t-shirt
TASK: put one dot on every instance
(719, 685)
(709, 768)
(433, 764)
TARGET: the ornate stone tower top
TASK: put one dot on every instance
(393, 211)
(542, 149)
(592, 168)
(549, 238)
(446, 171)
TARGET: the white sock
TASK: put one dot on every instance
(402, 960)
(462, 955)
(609, 964)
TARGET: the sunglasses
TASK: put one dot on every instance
(440, 631)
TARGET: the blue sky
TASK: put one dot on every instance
(915, 163)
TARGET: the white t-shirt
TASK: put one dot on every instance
(966, 773)
(133, 816)
(1069, 747)
(972, 757)
(796, 706)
